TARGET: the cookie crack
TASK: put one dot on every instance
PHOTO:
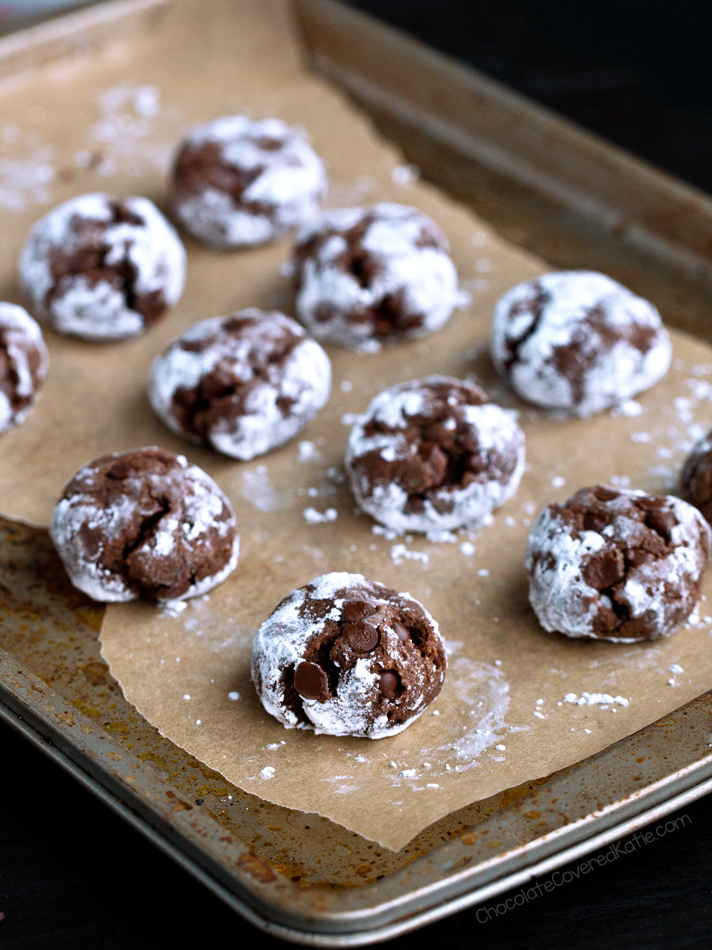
(536, 303)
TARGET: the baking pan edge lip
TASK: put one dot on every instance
(347, 929)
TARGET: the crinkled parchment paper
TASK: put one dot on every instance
(511, 708)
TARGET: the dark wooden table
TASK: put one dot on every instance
(72, 875)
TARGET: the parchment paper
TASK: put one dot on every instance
(502, 718)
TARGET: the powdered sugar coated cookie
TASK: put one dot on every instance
(347, 656)
(23, 365)
(578, 341)
(432, 454)
(238, 181)
(617, 565)
(372, 275)
(102, 268)
(243, 384)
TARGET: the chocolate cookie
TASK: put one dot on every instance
(578, 341)
(144, 523)
(347, 656)
(370, 275)
(101, 267)
(616, 565)
(23, 365)
(238, 182)
(243, 384)
(432, 455)
(696, 480)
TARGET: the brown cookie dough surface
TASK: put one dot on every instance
(23, 365)
(617, 565)
(347, 656)
(144, 523)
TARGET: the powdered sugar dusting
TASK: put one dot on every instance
(26, 175)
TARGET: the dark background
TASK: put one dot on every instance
(72, 875)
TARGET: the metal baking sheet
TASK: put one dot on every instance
(300, 876)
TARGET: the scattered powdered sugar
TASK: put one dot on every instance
(483, 690)
(308, 451)
(132, 132)
(25, 176)
(173, 608)
(400, 553)
(629, 408)
(267, 772)
(312, 516)
(595, 699)
(257, 489)
(405, 174)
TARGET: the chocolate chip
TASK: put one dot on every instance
(636, 557)
(604, 570)
(361, 636)
(594, 521)
(310, 682)
(475, 463)
(389, 684)
(661, 521)
(604, 493)
(120, 470)
(403, 633)
(356, 610)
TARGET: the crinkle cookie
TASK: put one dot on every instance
(577, 341)
(23, 365)
(242, 384)
(101, 267)
(373, 275)
(347, 656)
(144, 523)
(434, 455)
(616, 565)
(238, 182)
(696, 479)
